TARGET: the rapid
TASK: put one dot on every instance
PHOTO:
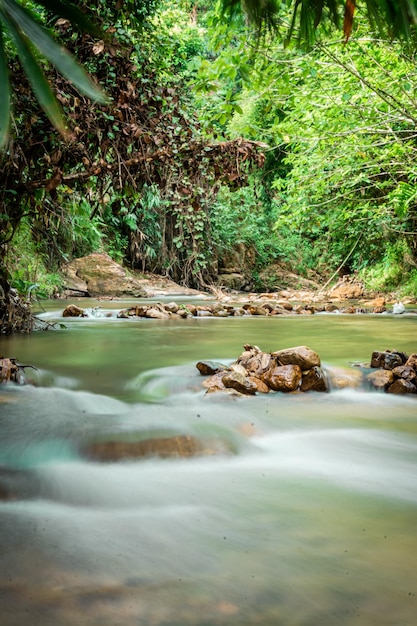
(309, 521)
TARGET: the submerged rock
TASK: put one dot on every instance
(73, 310)
(344, 378)
(380, 379)
(178, 446)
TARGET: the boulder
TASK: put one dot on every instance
(239, 382)
(172, 307)
(214, 383)
(73, 311)
(406, 372)
(380, 379)
(302, 356)
(283, 378)
(256, 363)
(387, 360)
(347, 289)
(98, 275)
(231, 280)
(401, 386)
(157, 313)
(208, 368)
(314, 380)
(412, 362)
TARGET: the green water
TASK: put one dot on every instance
(310, 523)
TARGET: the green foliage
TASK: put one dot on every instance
(29, 269)
(395, 270)
(301, 20)
(240, 217)
(21, 28)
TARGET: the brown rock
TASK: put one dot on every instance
(378, 302)
(314, 380)
(302, 356)
(412, 361)
(255, 309)
(134, 311)
(256, 363)
(401, 386)
(406, 372)
(101, 276)
(238, 368)
(215, 382)
(239, 382)
(284, 304)
(347, 289)
(182, 446)
(340, 378)
(387, 360)
(284, 378)
(172, 307)
(8, 370)
(73, 311)
(157, 313)
(261, 387)
(380, 379)
(208, 368)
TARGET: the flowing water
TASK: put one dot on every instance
(310, 522)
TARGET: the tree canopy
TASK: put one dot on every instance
(190, 138)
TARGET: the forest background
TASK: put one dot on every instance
(301, 149)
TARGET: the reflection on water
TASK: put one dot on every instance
(311, 522)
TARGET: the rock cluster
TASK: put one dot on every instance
(394, 372)
(255, 371)
(217, 309)
(264, 305)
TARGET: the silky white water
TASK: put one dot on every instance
(310, 521)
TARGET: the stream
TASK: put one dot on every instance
(310, 521)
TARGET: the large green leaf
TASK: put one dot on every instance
(72, 14)
(397, 18)
(5, 95)
(35, 75)
(56, 54)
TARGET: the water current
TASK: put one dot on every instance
(311, 521)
